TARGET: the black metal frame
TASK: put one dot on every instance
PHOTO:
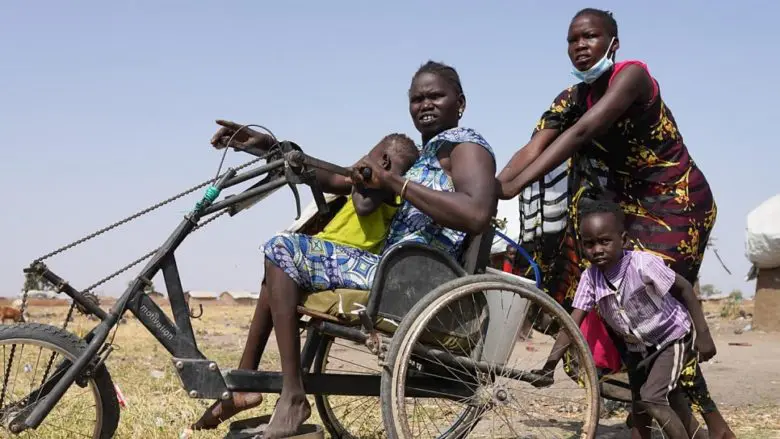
(202, 377)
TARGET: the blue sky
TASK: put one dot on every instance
(107, 107)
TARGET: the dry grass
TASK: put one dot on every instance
(159, 408)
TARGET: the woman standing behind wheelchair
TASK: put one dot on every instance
(448, 192)
(623, 143)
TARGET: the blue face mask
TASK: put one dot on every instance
(592, 74)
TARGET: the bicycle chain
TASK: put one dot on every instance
(125, 221)
(105, 279)
(139, 214)
(88, 290)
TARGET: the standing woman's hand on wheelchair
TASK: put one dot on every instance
(245, 138)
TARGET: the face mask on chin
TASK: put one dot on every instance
(592, 74)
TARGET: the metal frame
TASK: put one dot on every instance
(201, 377)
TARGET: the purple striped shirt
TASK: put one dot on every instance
(641, 310)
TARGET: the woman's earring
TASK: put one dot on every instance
(460, 113)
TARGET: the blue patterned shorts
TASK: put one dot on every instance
(318, 265)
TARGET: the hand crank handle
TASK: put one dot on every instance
(297, 201)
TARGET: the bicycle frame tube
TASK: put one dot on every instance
(178, 338)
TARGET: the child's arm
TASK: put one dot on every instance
(584, 301)
(366, 200)
(562, 342)
(682, 290)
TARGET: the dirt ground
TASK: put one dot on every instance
(744, 379)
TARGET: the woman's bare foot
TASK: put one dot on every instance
(290, 413)
(223, 410)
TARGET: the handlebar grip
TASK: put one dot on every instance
(366, 173)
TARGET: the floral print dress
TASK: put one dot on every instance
(642, 163)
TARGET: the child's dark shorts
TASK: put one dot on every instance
(653, 375)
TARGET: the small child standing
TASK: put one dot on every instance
(652, 308)
(364, 220)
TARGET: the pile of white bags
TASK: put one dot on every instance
(762, 245)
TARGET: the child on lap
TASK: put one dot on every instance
(653, 309)
(364, 220)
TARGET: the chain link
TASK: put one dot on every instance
(143, 258)
(140, 213)
(25, 291)
(88, 290)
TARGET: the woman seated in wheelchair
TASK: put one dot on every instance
(448, 192)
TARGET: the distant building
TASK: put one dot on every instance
(44, 298)
(238, 298)
(195, 297)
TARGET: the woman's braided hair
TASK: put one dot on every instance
(444, 71)
(605, 16)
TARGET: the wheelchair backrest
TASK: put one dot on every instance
(476, 252)
(411, 270)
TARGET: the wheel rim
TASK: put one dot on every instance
(589, 412)
(337, 409)
(60, 421)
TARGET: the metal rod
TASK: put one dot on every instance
(344, 384)
(179, 308)
(300, 158)
(272, 185)
(248, 175)
(75, 294)
(468, 364)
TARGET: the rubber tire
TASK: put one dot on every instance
(490, 282)
(329, 420)
(68, 342)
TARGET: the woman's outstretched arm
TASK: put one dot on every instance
(628, 87)
(521, 159)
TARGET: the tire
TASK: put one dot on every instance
(399, 353)
(330, 420)
(71, 347)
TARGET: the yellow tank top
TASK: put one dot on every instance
(364, 232)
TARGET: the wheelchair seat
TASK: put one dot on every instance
(406, 273)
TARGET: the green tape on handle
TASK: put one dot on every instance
(211, 194)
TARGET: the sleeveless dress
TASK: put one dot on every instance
(642, 163)
(318, 265)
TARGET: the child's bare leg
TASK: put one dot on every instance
(670, 423)
(682, 407)
(293, 409)
(717, 426)
(259, 332)
(641, 422)
(696, 387)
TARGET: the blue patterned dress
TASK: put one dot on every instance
(317, 265)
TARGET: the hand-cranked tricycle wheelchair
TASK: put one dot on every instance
(442, 333)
